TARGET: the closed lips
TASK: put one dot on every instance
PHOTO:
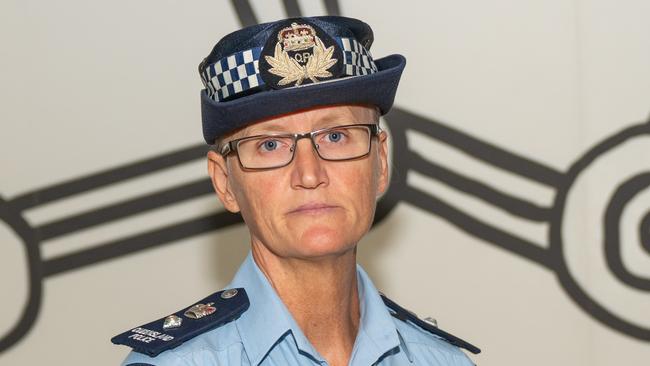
(312, 207)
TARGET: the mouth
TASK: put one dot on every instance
(312, 208)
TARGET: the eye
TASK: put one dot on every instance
(334, 136)
(270, 145)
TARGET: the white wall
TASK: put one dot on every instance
(91, 86)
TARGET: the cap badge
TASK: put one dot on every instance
(200, 310)
(302, 54)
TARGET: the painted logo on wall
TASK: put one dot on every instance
(623, 180)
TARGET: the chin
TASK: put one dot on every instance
(323, 241)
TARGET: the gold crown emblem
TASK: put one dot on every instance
(297, 37)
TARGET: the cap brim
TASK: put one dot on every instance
(379, 88)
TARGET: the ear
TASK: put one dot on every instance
(384, 178)
(218, 171)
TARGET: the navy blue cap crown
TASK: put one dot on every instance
(253, 73)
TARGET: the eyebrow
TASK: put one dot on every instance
(326, 121)
(266, 129)
(277, 130)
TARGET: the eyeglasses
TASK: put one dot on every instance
(275, 151)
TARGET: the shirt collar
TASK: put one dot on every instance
(267, 319)
(377, 332)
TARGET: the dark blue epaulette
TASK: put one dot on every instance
(404, 315)
(214, 311)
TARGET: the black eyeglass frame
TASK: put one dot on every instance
(232, 146)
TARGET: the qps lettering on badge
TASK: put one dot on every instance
(302, 58)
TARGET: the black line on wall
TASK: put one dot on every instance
(107, 177)
(244, 12)
(291, 8)
(31, 310)
(124, 209)
(484, 192)
(139, 242)
(481, 150)
(612, 227)
(478, 228)
(332, 7)
(644, 232)
(568, 282)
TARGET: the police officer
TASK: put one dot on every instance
(292, 110)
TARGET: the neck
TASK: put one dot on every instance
(321, 295)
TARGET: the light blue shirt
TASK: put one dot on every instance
(266, 334)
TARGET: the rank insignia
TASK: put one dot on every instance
(229, 294)
(198, 311)
(299, 54)
(172, 322)
(163, 334)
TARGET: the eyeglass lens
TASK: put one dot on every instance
(341, 143)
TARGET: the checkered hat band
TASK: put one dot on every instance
(233, 74)
(357, 60)
(240, 71)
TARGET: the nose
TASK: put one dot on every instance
(308, 169)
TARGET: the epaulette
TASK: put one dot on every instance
(404, 315)
(169, 332)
